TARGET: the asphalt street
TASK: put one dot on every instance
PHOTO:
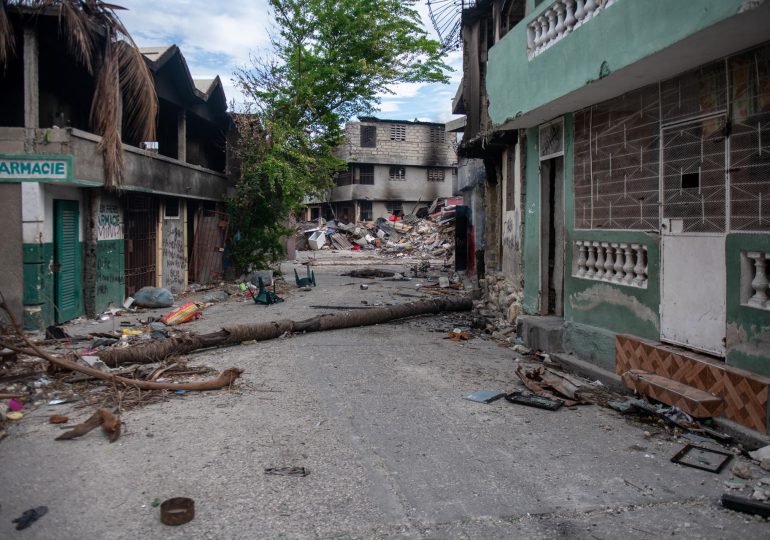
(377, 415)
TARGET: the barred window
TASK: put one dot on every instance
(398, 132)
(366, 174)
(394, 207)
(435, 174)
(368, 136)
(397, 173)
(366, 210)
(437, 134)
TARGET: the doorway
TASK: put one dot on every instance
(68, 297)
(552, 236)
(141, 250)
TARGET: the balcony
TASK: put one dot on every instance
(568, 54)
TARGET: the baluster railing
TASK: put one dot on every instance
(759, 281)
(591, 261)
(559, 20)
(620, 263)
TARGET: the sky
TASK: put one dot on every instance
(217, 38)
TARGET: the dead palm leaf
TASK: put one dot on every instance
(7, 41)
(140, 104)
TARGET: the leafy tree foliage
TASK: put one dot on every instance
(330, 61)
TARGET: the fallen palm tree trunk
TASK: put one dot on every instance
(225, 378)
(234, 335)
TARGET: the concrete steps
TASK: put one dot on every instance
(695, 402)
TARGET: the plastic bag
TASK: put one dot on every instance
(152, 297)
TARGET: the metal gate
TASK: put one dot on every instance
(694, 195)
(140, 233)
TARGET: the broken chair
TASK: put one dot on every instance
(305, 281)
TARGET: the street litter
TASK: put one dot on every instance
(185, 313)
(177, 511)
(264, 296)
(287, 471)
(761, 453)
(153, 297)
(747, 506)
(539, 380)
(305, 281)
(532, 400)
(459, 335)
(58, 419)
(484, 396)
(102, 417)
(699, 457)
(29, 517)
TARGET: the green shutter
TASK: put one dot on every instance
(67, 287)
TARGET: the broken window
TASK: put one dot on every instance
(435, 174)
(397, 173)
(366, 210)
(398, 132)
(368, 136)
(394, 207)
(366, 174)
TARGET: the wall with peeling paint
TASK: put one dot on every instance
(748, 328)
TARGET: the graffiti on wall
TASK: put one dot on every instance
(173, 254)
(109, 223)
(511, 230)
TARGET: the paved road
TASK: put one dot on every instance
(377, 414)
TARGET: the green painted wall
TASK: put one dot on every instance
(531, 234)
(39, 308)
(623, 34)
(110, 273)
(748, 328)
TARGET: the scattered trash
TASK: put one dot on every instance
(443, 282)
(153, 297)
(364, 286)
(96, 362)
(128, 302)
(747, 506)
(180, 392)
(102, 417)
(694, 438)
(59, 401)
(538, 380)
(485, 396)
(58, 419)
(305, 281)
(14, 405)
(29, 517)
(287, 471)
(761, 453)
(742, 470)
(459, 335)
(699, 457)
(15, 416)
(183, 314)
(155, 502)
(55, 332)
(216, 296)
(532, 400)
(317, 240)
(266, 297)
(177, 511)
(369, 273)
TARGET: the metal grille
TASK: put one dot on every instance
(750, 141)
(398, 133)
(435, 175)
(397, 173)
(694, 175)
(140, 234)
(616, 163)
(698, 92)
(368, 136)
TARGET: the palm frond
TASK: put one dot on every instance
(81, 32)
(140, 104)
(7, 41)
(105, 116)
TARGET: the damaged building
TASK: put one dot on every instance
(626, 185)
(72, 247)
(394, 167)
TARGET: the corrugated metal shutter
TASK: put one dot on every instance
(68, 297)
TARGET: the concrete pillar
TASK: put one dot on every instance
(181, 135)
(94, 199)
(31, 80)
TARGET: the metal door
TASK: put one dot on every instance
(68, 298)
(140, 251)
(694, 217)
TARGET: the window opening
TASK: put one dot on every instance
(397, 174)
(366, 174)
(398, 132)
(369, 136)
(171, 209)
(435, 175)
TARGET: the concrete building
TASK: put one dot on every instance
(628, 184)
(70, 246)
(395, 167)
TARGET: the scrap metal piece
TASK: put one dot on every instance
(532, 400)
(287, 471)
(177, 511)
(698, 457)
(485, 396)
(748, 506)
(29, 517)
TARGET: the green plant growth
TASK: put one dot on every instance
(330, 61)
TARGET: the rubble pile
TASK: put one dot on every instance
(431, 236)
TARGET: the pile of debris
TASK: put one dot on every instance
(432, 236)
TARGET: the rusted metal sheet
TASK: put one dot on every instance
(209, 245)
(140, 234)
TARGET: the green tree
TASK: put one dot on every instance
(330, 60)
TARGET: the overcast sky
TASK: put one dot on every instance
(216, 38)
